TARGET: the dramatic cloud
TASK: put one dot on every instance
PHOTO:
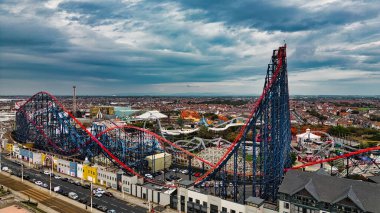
(130, 47)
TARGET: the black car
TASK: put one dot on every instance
(173, 177)
(102, 208)
(65, 194)
(26, 177)
(156, 174)
(86, 186)
(168, 179)
(82, 200)
(64, 179)
(61, 192)
(109, 194)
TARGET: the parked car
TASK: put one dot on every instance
(111, 211)
(102, 208)
(149, 176)
(38, 183)
(73, 195)
(82, 200)
(64, 179)
(109, 194)
(46, 172)
(57, 177)
(77, 183)
(98, 194)
(198, 174)
(168, 179)
(5, 168)
(86, 186)
(44, 185)
(71, 181)
(100, 190)
(185, 171)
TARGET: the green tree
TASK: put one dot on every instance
(180, 122)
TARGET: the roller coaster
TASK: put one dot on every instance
(253, 164)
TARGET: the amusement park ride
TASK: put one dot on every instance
(253, 164)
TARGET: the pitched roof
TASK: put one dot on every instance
(375, 179)
(332, 189)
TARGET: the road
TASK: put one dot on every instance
(109, 202)
(39, 196)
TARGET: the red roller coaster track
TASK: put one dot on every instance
(94, 138)
(255, 108)
(357, 152)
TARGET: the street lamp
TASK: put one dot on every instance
(22, 172)
(1, 146)
(87, 162)
(91, 195)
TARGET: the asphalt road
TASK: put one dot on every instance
(109, 202)
(39, 196)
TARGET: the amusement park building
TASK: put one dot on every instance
(315, 192)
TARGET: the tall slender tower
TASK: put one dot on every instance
(74, 101)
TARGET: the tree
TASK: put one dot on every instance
(293, 157)
(204, 133)
(180, 122)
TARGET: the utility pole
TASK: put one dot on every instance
(91, 195)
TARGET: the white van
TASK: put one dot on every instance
(5, 168)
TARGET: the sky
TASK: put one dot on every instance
(187, 47)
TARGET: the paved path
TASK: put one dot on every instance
(41, 197)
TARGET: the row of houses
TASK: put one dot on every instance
(109, 178)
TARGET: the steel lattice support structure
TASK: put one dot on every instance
(269, 126)
(250, 171)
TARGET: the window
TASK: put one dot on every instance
(233, 211)
(190, 199)
(286, 205)
(197, 201)
(224, 209)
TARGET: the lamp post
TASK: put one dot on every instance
(91, 196)
(22, 172)
(1, 146)
(51, 173)
(87, 162)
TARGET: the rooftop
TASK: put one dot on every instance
(329, 189)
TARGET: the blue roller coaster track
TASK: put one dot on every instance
(44, 121)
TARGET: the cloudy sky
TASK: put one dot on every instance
(159, 47)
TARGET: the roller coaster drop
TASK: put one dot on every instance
(254, 172)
